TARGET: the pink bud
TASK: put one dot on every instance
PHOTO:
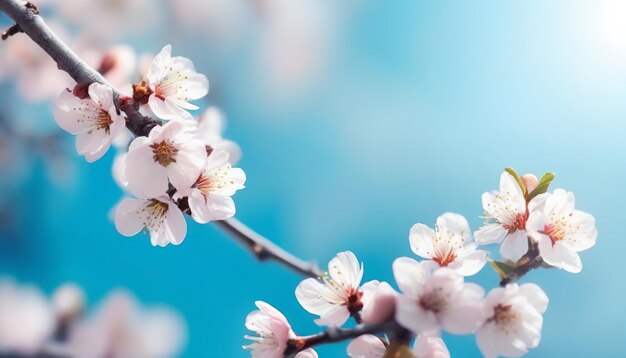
(530, 181)
(379, 302)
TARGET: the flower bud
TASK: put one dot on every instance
(530, 181)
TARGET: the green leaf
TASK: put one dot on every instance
(542, 186)
(517, 179)
(502, 268)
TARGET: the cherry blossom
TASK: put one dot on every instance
(448, 245)
(211, 125)
(434, 300)
(337, 296)
(163, 219)
(273, 333)
(506, 215)
(513, 320)
(26, 319)
(169, 152)
(379, 302)
(370, 346)
(210, 196)
(121, 328)
(171, 83)
(94, 120)
(562, 231)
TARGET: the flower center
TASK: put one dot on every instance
(444, 258)
(355, 305)
(555, 231)
(164, 152)
(519, 223)
(103, 120)
(432, 302)
(503, 315)
(154, 213)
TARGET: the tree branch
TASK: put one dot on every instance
(27, 18)
(265, 249)
(335, 334)
(534, 261)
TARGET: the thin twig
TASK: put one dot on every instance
(27, 18)
(33, 25)
(334, 334)
(265, 249)
(534, 261)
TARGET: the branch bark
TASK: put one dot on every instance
(335, 334)
(265, 249)
(27, 18)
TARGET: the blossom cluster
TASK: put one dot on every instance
(530, 223)
(33, 325)
(182, 166)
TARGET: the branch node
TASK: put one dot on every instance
(32, 7)
(15, 29)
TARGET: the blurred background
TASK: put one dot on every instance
(356, 119)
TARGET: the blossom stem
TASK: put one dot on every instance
(336, 334)
(265, 249)
(28, 20)
(533, 261)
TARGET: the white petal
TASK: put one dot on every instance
(409, 275)
(470, 264)
(456, 224)
(344, 270)
(490, 234)
(559, 255)
(366, 346)
(146, 179)
(101, 94)
(421, 238)
(334, 316)
(412, 316)
(515, 245)
(315, 297)
(189, 162)
(535, 295)
(127, 219)
(176, 224)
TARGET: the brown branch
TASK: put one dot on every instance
(265, 249)
(534, 261)
(334, 334)
(27, 18)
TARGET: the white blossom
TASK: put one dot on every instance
(163, 219)
(273, 332)
(513, 320)
(26, 319)
(433, 300)
(562, 231)
(122, 329)
(338, 295)
(169, 152)
(94, 120)
(210, 196)
(173, 82)
(506, 215)
(448, 245)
